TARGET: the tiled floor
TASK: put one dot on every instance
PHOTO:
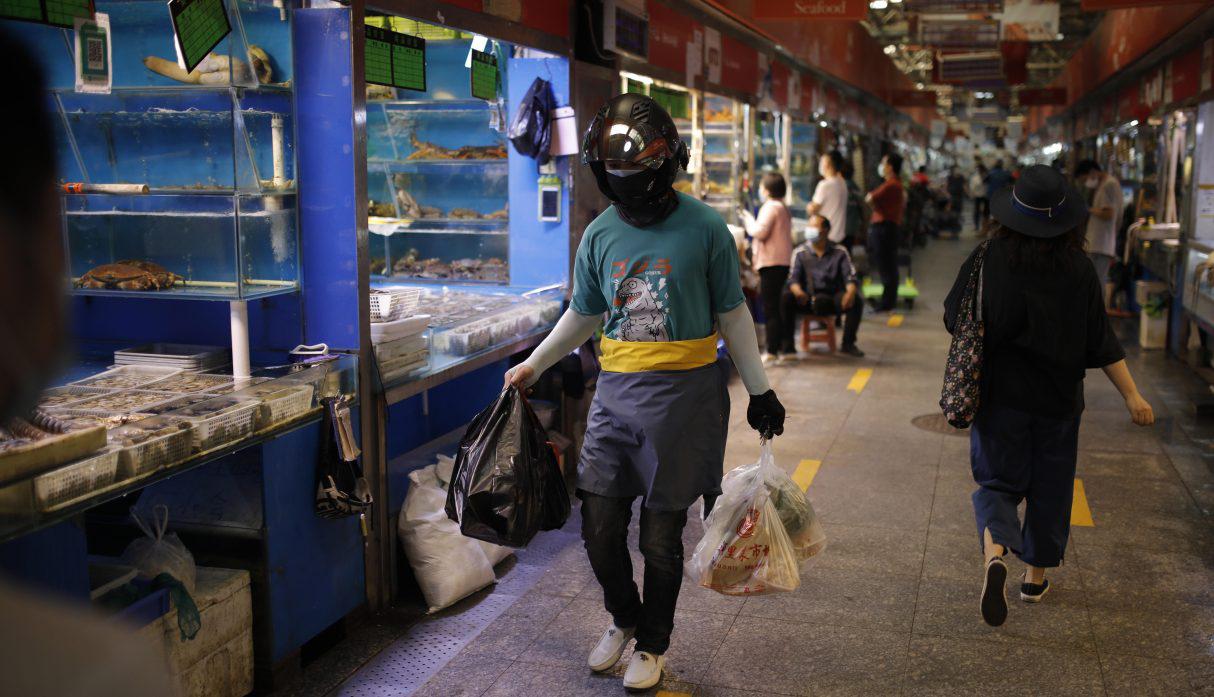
(891, 606)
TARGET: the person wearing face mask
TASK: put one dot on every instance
(772, 232)
(823, 283)
(658, 271)
(830, 196)
(1104, 217)
(888, 202)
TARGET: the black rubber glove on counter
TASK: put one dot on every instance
(766, 415)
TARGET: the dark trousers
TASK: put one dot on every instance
(883, 250)
(605, 532)
(1017, 456)
(982, 210)
(822, 305)
(771, 285)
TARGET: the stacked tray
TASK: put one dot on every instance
(403, 356)
(179, 356)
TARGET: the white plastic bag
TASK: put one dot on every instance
(759, 534)
(448, 566)
(158, 553)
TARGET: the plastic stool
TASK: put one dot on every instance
(826, 334)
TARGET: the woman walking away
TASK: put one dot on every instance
(771, 254)
(1043, 325)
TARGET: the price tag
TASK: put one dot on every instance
(58, 13)
(484, 75)
(393, 59)
(198, 27)
(93, 54)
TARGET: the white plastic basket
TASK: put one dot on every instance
(127, 377)
(66, 485)
(281, 404)
(118, 402)
(200, 382)
(60, 397)
(392, 303)
(167, 447)
(222, 427)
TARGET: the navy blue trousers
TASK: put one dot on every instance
(1016, 456)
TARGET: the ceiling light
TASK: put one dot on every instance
(1133, 123)
(919, 85)
(890, 49)
(878, 4)
(1059, 36)
(896, 2)
(823, 124)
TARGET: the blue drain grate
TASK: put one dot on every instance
(406, 665)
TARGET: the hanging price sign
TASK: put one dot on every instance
(484, 75)
(58, 13)
(394, 59)
(198, 27)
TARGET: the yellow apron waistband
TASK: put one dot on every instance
(643, 356)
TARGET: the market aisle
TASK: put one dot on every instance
(891, 606)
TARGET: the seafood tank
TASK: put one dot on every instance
(178, 184)
(803, 161)
(438, 177)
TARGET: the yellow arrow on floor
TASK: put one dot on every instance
(895, 320)
(1081, 514)
(859, 380)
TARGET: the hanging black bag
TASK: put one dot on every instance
(341, 489)
(531, 128)
(506, 484)
(963, 371)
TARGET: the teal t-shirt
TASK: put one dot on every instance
(666, 282)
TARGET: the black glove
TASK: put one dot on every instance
(765, 414)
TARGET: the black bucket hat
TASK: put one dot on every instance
(1041, 204)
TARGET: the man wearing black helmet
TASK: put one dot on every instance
(658, 270)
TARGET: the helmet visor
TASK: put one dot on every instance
(623, 145)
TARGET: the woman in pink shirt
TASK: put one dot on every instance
(771, 254)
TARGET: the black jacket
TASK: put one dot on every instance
(1043, 329)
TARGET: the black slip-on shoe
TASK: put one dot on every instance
(852, 351)
(994, 597)
(1033, 592)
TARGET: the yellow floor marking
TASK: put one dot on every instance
(859, 380)
(895, 320)
(668, 693)
(804, 475)
(1080, 513)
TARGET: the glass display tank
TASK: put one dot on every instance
(178, 184)
(437, 173)
(723, 153)
(803, 160)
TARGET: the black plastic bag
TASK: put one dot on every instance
(531, 128)
(506, 484)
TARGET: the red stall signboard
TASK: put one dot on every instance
(669, 35)
(1095, 5)
(739, 65)
(811, 9)
(1185, 72)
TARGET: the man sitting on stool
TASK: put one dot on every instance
(822, 282)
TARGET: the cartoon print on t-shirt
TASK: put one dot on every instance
(641, 303)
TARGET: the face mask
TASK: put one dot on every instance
(1092, 183)
(821, 170)
(813, 233)
(881, 171)
(634, 188)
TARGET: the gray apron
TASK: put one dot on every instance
(657, 434)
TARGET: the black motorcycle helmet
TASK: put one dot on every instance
(635, 152)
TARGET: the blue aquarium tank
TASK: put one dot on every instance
(178, 184)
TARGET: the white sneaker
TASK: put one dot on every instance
(609, 649)
(768, 358)
(644, 671)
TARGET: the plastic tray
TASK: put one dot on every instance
(200, 382)
(382, 332)
(79, 480)
(133, 402)
(392, 303)
(229, 424)
(168, 446)
(185, 356)
(127, 377)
